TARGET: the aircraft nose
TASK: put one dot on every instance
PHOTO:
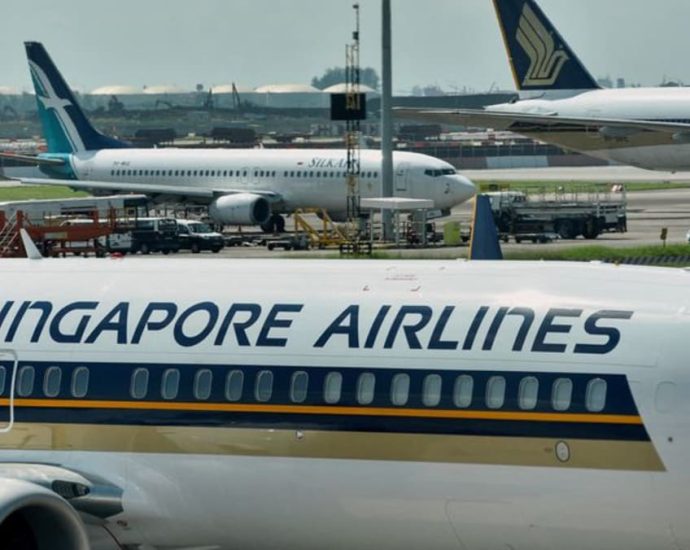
(464, 189)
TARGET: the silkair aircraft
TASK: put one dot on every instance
(368, 405)
(241, 186)
(562, 104)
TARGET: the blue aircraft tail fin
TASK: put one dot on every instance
(66, 128)
(484, 244)
(539, 57)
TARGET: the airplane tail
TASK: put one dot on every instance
(484, 243)
(66, 128)
(539, 57)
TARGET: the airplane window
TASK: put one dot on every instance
(233, 385)
(311, 174)
(274, 173)
(495, 392)
(332, 387)
(51, 381)
(431, 390)
(298, 386)
(299, 174)
(213, 173)
(112, 172)
(376, 174)
(230, 173)
(225, 173)
(189, 173)
(318, 174)
(400, 389)
(170, 384)
(140, 383)
(244, 174)
(462, 392)
(527, 393)
(202, 384)
(264, 386)
(26, 378)
(561, 394)
(292, 174)
(256, 174)
(80, 382)
(595, 397)
(365, 388)
(170, 172)
(3, 378)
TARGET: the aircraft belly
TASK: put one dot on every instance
(267, 503)
(654, 151)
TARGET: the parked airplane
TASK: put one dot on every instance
(241, 186)
(368, 405)
(562, 104)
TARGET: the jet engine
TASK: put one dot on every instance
(35, 518)
(240, 209)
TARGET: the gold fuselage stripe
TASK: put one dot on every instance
(593, 418)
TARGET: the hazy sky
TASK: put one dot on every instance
(451, 43)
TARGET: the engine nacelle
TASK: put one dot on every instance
(240, 209)
(32, 516)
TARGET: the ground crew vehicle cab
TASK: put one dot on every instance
(197, 236)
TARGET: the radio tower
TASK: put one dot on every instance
(352, 135)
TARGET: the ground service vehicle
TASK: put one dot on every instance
(569, 216)
(197, 236)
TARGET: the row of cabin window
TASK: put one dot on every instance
(463, 390)
(399, 392)
(235, 173)
(52, 381)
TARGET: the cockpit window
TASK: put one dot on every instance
(440, 172)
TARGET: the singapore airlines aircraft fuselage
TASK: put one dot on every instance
(369, 405)
(643, 147)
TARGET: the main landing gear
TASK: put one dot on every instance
(274, 224)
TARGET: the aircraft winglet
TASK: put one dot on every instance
(484, 243)
(31, 251)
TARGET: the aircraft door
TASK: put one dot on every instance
(401, 177)
(8, 378)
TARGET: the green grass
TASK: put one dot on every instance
(591, 253)
(26, 192)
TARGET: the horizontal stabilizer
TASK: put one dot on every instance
(32, 160)
(515, 121)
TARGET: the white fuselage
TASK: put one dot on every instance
(300, 178)
(651, 150)
(342, 466)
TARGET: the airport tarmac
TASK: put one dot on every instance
(601, 174)
(648, 213)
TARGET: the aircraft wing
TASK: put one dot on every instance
(31, 159)
(202, 194)
(517, 122)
